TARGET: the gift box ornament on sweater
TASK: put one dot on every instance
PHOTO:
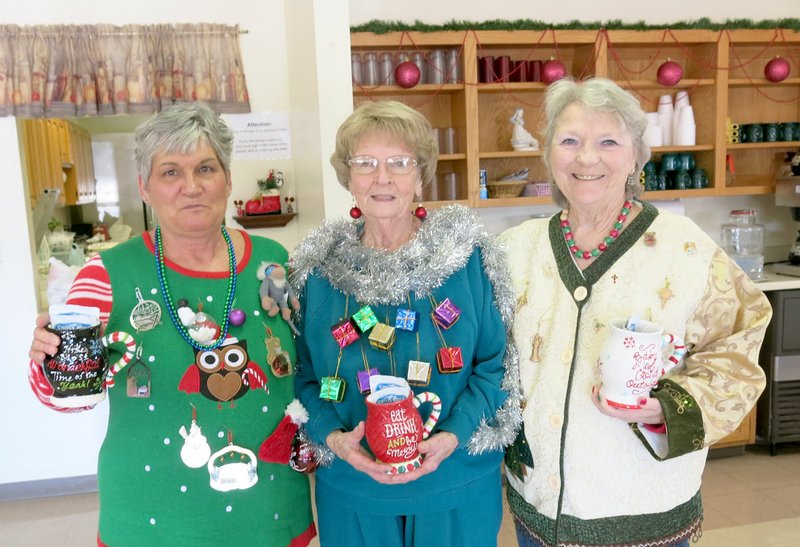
(419, 373)
(407, 320)
(332, 389)
(365, 319)
(382, 336)
(362, 377)
(449, 360)
(446, 314)
(345, 333)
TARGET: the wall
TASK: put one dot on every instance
(319, 33)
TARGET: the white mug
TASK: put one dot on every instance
(632, 361)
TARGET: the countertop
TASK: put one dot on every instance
(777, 282)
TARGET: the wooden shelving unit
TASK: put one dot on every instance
(723, 73)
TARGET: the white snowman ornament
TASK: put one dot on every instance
(195, 451)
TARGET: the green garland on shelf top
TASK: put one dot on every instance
(384, 27)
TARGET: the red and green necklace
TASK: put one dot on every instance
(608, 240)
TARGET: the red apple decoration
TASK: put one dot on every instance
(553, 70)
(669, 73)
(777, 70)
(406, 74)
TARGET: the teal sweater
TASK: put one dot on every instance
(471, 399)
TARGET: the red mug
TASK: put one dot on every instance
(394, 429)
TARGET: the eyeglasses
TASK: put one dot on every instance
(396, 165)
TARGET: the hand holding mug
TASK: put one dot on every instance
(649, 411)
(633, 359)
(347, 446)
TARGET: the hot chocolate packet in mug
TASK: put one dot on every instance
(71, 316)
(384, 381)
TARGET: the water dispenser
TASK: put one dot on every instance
(743, 240)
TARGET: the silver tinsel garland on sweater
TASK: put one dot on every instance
(443, 245)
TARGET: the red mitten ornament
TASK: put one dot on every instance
(277, 448)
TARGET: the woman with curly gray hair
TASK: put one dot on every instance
(406, 271)
(158, 483)
(591, 467)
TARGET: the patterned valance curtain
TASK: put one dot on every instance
(94, 70)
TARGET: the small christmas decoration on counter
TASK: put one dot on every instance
(289, 200)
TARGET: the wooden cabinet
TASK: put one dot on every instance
(58, 156)
(723, 73)
(751, 98)
(742, 435)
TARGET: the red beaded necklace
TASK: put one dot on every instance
(608, 240)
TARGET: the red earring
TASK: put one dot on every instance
(420, 212)
(355, 212)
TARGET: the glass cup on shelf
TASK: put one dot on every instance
(386, 67)
(370, 68)
(355, 66)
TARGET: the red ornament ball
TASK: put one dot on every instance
(553, 70)
(669, 73)
(406, 74)
(777, 70)
(421, 212)
(355, 212)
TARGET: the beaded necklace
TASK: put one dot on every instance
(608, 240)
(173, 314)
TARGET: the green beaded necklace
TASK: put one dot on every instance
(173, 314)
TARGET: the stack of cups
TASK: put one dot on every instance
(652, 134)
(684, 130)
(665, 114)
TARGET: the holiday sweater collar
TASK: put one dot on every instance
(242, 261)
(441, 247)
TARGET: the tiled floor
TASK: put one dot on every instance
(751, 500)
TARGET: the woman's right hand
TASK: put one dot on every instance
(44, 342)
(347, 446)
